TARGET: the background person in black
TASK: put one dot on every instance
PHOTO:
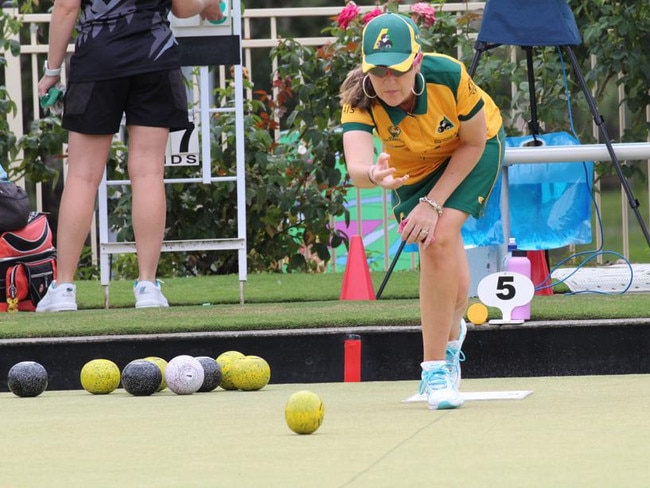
(126, 61)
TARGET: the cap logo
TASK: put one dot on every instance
(383, 40)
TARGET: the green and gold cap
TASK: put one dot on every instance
(390, 40)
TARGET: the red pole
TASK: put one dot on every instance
(352, 359)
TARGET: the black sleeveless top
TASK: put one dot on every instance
(117, 38)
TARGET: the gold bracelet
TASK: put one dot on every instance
(434, 205)
(370, 174)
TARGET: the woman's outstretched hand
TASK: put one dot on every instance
(383, 174)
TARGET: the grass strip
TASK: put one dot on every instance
(278, 301)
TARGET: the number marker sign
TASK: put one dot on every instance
(506, 291)
(183, 147)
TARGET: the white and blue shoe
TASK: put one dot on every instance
(437, 384)
(454, 355)
(60, 297)
(149, 295)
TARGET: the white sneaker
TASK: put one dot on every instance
(437, 383)
(455, 355)
(58, 298)
(148, 295)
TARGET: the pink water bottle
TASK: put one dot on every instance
(518, 262)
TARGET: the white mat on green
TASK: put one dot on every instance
(477, 395)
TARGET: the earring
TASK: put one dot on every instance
(363, 87)
(424, 86)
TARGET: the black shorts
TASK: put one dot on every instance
(157, 99)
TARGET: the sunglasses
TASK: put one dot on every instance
(382, 71)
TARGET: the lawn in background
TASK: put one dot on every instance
(278, 301)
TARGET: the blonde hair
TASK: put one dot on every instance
(352, 92)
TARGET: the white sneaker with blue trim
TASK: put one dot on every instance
(454, 355)
(58, 298)
(437, 384)
(149, 295)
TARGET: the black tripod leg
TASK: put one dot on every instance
(472, 68)
(390, 270)
(533, 124)
(480, 47)
(600, 122)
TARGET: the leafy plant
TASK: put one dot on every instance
(9, 27)
(616, 33)
(40, 146)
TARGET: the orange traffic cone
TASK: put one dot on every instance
(539, 273)
(357, 284)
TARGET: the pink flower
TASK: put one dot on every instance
(424, 11)
(347, 15)
(371, 15)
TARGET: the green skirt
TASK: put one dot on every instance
(472, 194)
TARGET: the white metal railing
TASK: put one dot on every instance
(583, 152)
(272, 21)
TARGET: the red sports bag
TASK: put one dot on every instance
(27, 265)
